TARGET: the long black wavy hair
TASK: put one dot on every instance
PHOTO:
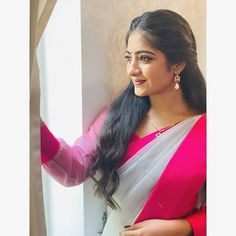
(170, 33)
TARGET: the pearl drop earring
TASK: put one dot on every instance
(176, 80)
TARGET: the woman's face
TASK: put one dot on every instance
(148, 68)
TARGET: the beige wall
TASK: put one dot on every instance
(109, 21)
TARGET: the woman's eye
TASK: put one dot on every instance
(145, 58)
(127, 58)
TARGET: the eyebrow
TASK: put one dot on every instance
(141, 51)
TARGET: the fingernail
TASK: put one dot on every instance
(127, 226)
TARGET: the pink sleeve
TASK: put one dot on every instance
(198, 222)
(49, 144)
(70, 165)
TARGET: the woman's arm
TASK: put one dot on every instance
(69, 165)
(192, 225)
(154, 227)
(198, 222)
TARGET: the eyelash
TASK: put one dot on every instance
(145, 58)
(142, 58)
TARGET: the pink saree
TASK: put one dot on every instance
(183, 178)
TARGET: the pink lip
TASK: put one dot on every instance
(138, 82)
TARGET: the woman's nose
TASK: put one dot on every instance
(133, 69)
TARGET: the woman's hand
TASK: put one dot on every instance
(158, 227)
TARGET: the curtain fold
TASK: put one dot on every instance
(40, 12)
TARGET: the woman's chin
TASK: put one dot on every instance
(141, 90)
(140, 93)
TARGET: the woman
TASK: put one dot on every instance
(149, 144)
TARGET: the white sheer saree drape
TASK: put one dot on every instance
(139, 175)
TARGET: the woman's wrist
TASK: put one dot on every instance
(183, 228)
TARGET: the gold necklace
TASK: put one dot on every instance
(161, 130)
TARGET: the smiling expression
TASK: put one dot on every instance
(148, 68)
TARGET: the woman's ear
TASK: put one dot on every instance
(179, 68)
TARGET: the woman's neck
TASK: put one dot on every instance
(164, 106)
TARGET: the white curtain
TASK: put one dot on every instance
(59, 56)
(40, 11)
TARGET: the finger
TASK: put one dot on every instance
(134, 226)
(127, 226)
(130, 233)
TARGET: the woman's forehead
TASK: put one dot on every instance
(137, 38)
(137, 43)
